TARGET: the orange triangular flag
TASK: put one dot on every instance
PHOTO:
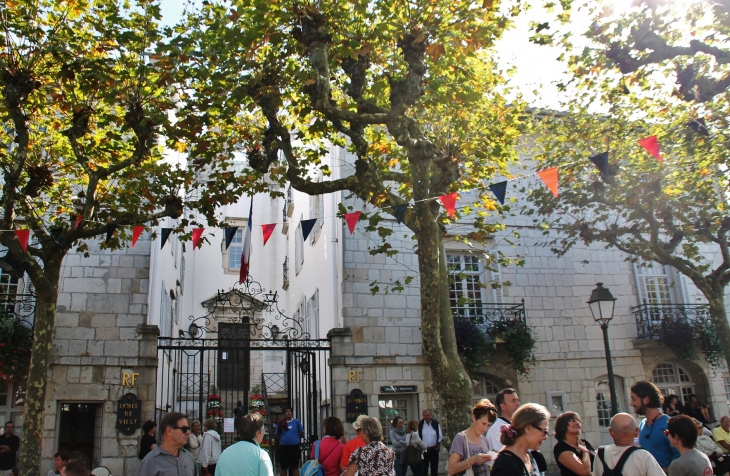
(351, 219)
(651, 145)
(23, 238)
(268, 230)
(197, 232)
(78, 221)
(136, 231)
(449, 202)
(550, 179)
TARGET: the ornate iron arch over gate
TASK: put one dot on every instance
(245, 347)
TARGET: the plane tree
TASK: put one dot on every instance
(657, 69)
(86, 97)
(411, 88)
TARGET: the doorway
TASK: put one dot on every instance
(77, 427)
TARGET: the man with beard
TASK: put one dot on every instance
(647, 400)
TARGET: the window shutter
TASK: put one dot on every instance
(495, 278)
(640, 277)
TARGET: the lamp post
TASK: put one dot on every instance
(602, 305)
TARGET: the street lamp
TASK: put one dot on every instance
(602, 305)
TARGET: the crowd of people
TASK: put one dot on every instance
(504, 439)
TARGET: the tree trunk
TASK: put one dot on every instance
(719, 319)
(43, 326)
(437, 326)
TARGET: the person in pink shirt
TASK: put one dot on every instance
(331, 447)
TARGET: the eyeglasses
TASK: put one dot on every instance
(184, 429)
(575, 421)
(544, 432)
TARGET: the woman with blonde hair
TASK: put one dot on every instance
(470, 448)
(373, 459)
(529, 428)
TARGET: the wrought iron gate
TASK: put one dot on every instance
(245, 351)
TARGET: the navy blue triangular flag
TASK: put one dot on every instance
(399, 212)
(601, 161)
(307, 226)
(165, 235)
(699, 126)
(499, 190)
(110, 229)
(230, 233)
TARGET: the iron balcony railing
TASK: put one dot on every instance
(288, 202)
(285, 266)
(18, 306)
(285, 220)
(489, 314)
(649, 317)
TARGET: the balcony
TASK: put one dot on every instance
(649, 317)
(285, 221)
(285, 267)
(492, 313)
(288, 203)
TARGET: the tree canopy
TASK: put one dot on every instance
(411, 88)
(88, 99)
(657, 70)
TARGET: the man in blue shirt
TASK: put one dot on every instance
(289, 431)
(647, 400)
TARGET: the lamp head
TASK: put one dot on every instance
(602, 304)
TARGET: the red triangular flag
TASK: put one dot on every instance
(197, 232)
(136, 231)
(651, 145)
(550, 179)
(351, 219)
(268, 230)
(78, 221)
(23, 238)
(449, 202)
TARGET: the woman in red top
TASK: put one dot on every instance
(331, 447)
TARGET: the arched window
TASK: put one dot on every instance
(485, 387)
(673, 380)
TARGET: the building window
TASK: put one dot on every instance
(603, 399)
(182, 275)
(316, 210)
(313, 315)
(467, 292)
(298, 247)
(235, 250)
(404, 405)
(484, 387)
(660, 284)
(673, 380)
(165, 313)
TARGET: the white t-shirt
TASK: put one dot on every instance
(494, 433)
(640, 462)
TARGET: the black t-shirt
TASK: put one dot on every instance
(145, 445)
(561, 447)
(508, 464)
(7, 460)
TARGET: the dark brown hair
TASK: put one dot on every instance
(249, 425)
(685, 429)
(529, 414)
(644, 389)
(500, 397)
(333, 427)
(563, 422)
(169, 420)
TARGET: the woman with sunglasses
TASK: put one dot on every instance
(573, 454)
(470, 448)
(682, 434)
(529, 428)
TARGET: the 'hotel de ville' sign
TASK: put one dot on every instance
(129, 414)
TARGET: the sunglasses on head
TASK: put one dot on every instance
(184, 429)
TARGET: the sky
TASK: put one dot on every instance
(537, 66)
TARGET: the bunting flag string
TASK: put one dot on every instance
(699, 126)
(601, 162)
(449, 203)
(351, 219)
(78, 221)
(307, 226)
(197, 233)
(550, 179)
(230, 234)
(110, 229)
(499, 190)
(23, 236)
(246, 253)
(267, 231)
(399, 212)
(136, 231)
(651, 145)
(164, 235)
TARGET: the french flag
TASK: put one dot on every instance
(246, 254)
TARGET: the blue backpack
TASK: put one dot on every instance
(312, 467)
